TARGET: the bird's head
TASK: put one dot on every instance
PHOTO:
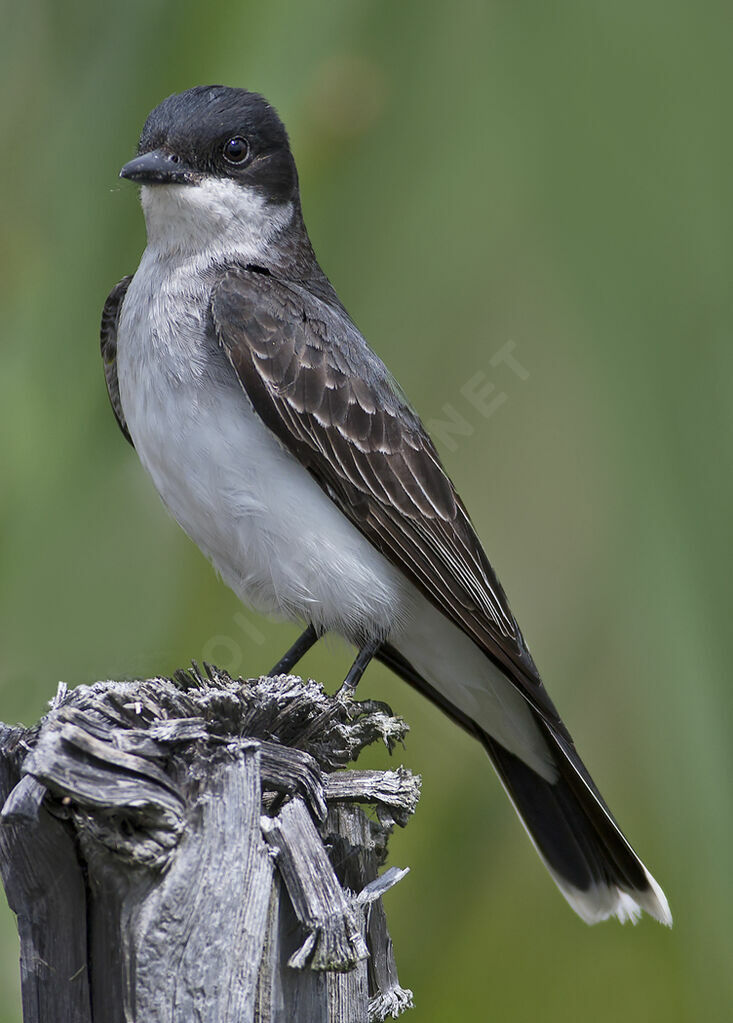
(215, 166)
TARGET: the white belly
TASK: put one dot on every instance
(255, 512)
(269, 529)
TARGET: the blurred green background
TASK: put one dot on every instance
(557, 176)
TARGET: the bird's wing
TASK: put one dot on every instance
(312, 379)
(108, 345)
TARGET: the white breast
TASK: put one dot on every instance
(269, 529)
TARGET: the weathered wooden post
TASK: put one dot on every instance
(193, 849)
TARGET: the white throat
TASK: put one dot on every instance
(215, 218)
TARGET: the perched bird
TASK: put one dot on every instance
(284, 448)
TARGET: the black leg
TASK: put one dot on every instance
(359, 666)
(299, 649)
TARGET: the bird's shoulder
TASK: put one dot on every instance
(319, 385)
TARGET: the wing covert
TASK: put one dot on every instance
(315, 383)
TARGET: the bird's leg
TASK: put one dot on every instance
(359, 666)
(299, 649)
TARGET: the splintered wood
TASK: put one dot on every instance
(194, 849)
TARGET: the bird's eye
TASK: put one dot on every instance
(236, 150)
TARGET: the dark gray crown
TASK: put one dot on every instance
(195, 126)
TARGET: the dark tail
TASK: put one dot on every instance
(567, 820)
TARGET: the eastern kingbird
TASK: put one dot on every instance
(282, 445)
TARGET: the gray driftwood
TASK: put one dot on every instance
(193, 849)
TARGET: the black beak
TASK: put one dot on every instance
(158, 167)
